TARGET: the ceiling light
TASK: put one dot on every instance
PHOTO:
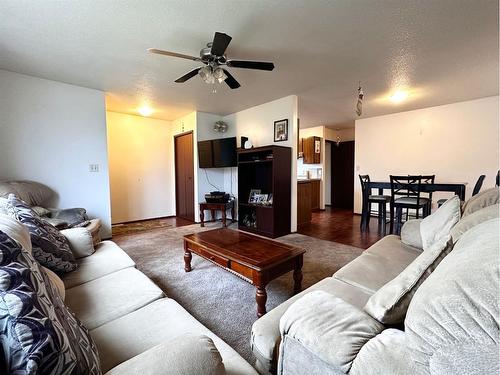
(398, 96)
(219, 75)
(145, 111)
(206, 74)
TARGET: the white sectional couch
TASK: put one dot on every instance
(136, 328)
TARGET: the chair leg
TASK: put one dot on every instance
(399, 218)
(391, 216)
(364, 212)
(384, 218)
(380, 217)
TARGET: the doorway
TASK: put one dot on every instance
(342, 172)
(184, 176)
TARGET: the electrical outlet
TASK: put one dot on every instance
(93, 167)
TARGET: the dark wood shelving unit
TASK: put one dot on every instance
(266, 168)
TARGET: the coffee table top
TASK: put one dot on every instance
(256, 252)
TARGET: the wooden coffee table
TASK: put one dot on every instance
(254, 259)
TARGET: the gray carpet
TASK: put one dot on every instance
(221, 301)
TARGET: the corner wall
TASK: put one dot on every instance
(50, 132)
(456, 142)
(140, 171)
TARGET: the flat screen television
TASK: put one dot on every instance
(217, 153)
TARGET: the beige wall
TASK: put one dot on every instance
(456, 142)
(140, 167)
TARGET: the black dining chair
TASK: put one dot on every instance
(368, 200)
(427, 179)
(475, 191)
(406, 194)
(497, 180)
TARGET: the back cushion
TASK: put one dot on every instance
(49, 246)
(38, 334)
(455, 312)
(475, 218)
(482, 200)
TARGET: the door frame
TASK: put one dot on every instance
(190, 132)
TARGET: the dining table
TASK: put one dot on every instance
(451, 187)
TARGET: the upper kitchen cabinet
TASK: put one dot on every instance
(311, 148)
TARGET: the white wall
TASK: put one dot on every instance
(50, 132)
(257, 123)
(456, 142)
(140, 151)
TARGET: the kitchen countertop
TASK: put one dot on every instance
(305, 180)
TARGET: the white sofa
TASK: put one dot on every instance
(137, 329)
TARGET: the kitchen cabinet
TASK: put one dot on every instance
(303, 202)
(311, 149)
(315, 192)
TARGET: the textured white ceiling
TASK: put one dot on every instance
(442, 50)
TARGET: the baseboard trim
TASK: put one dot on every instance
(140, 220)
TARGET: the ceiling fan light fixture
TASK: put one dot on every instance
(219, 75)
(206, 74)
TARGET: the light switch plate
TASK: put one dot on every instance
(93, 167)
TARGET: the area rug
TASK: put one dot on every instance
(221, 301)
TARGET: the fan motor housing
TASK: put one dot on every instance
(206, 55)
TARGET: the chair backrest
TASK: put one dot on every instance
(497, 183)
(364, 179)
(406, 186)
(479, 183)
(428, 179)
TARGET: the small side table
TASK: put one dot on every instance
(214, 207)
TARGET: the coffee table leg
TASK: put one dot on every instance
(297, 276)
(261, 298)
(187, 258)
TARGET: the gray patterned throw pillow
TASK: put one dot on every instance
(50, 247)
(38, 334)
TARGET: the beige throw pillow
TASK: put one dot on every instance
(438, 225)
(389, 304)
(483, 199)
(475, 218)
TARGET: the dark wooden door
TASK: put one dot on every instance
(184, 176)
(343, 175)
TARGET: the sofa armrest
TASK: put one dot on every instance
(327, 327)
(410, 234)
(196, 355)
(80, 241)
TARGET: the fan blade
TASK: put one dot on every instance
(187, 76)
(259, 65)
(230, 81)
(172, 54)
(220, 43)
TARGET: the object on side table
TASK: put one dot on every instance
(217, 197)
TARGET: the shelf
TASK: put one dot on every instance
(254, 205)
(255, 161)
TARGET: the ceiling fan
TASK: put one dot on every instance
(213, 56)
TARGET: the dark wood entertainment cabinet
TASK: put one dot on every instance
(268, 169)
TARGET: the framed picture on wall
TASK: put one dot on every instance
(281, 130)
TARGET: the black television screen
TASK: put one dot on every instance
(217, 153)
(205, 155)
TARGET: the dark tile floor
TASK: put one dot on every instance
(333, 224)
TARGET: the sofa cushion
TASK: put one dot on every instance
(107, 258)
(390, 303)
(38, 334)
(154, 324)
(80, 241)
(189, 354)
(31, 192)
(410, 234)
(56, 281)
(266, 337)
(381, 263)
(475, 218)
(455, 312)
(15, 230)
(438, 225)
(50, 248)
(112, 296)
(483, 199)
